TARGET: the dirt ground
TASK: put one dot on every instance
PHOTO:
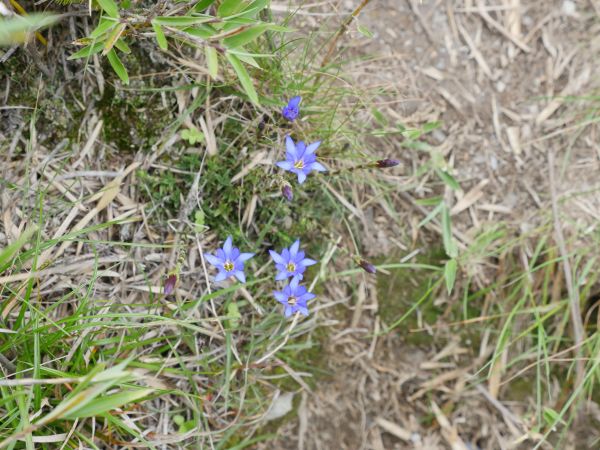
(488, 73)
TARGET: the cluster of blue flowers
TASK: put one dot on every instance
(291, 262)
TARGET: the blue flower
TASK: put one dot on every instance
(301, 159)
(291, 262)
(294, 298)
(291, 110)
(229, 261)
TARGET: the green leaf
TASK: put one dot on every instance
(449, 242)
(245, 57)
(17, 29)
(192, 135)
(365, 31)
(450, 274)
(109, 7)
(245, 36)
(234, 315)
(231, 7)
(160, 36)
(432, 214)
(122, 45)
(201, 31)
(114, 36)
(244, 77)
(118, 66)
(212, 61)
(103, 27)
(8, 252)
(430, 126)
(88, 51)
(448, 179)
(181, 21)
(202, 5)
(108, 403)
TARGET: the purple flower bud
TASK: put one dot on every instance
(286, 191)
(170, 284)
(367, 266)
(385, 163)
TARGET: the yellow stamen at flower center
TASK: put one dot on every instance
(292, 300)
(228, 266)
(291, 267)
(299, 164)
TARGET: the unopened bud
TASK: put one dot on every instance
(367, 266)
(385, 163)
(286, 191)
(170, 283)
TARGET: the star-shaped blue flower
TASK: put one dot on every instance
(291, 262)
(301, 158)
(229, 261)
(292, 110)
(294, 298)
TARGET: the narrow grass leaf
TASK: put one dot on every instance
(103, 27)
(202, 5)
(449, 242)
(448, 179)
(87, 51)
(231, 7)
(108, 403)
(244, 77)
(109, 7)
(8, 252)
(113, 37)
(160, 36)
(245, 36)
(212, 61)
(450, 274)
(118, 66)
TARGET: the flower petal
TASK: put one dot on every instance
(235, 252)
(288, 311)
(294, 284)
(306, 297)
(294, 101)
(285, 165)
(282, 275)
(227, 247)
(294, 249)
(240, 275)
(221, 276)
(311, 148)
(290, 146)
(303, 310)
(301, 177)
(276, 257)
(308, 262)
(245, 257)
(213, 259)
(280, 297)
(318, 167)
(300, 149)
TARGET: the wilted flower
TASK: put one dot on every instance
(385, 163)
(291, 262)
(286, 191)
(294, 298)
(367, 266)
(170, 283)
(291, 110)
(301, 159)
(229, 261)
